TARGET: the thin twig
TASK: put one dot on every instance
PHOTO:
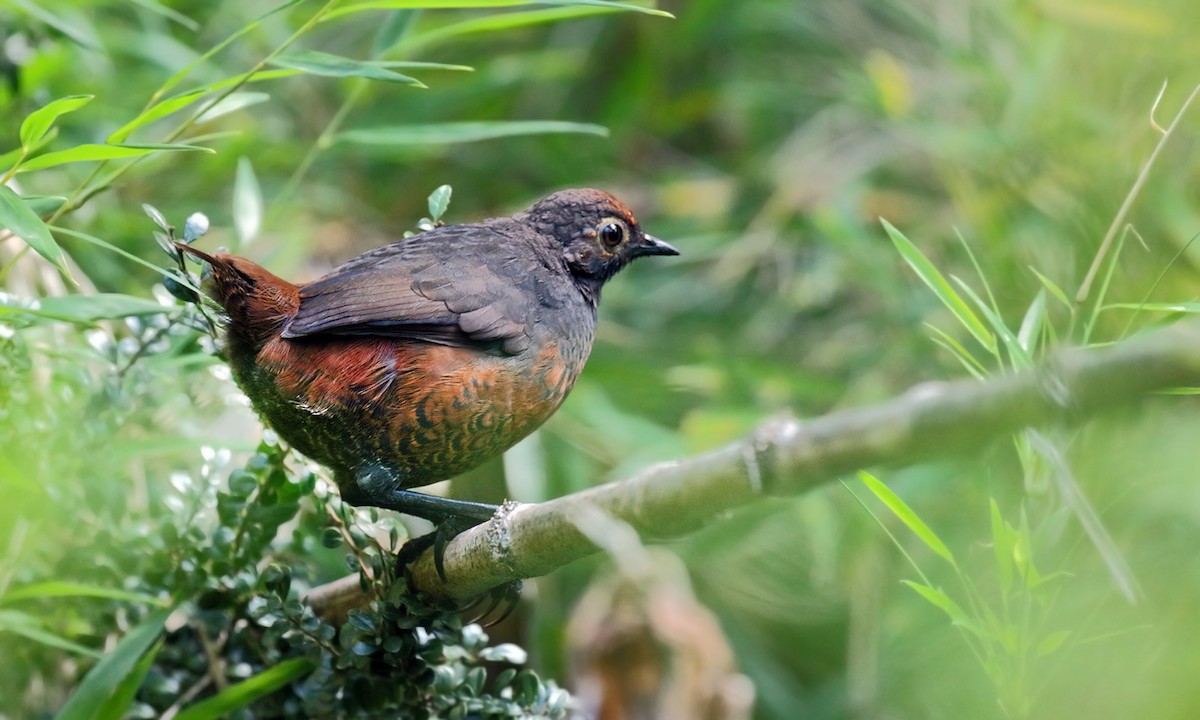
(1119, 220)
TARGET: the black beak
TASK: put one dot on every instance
(651, 245)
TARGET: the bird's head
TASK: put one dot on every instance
(598, 234)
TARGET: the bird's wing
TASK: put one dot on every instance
(464, 286)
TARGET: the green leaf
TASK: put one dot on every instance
(232, 103)
(502, 22)
(1017, 354)
(16, 216)
(942, 601)
(1002, 544)
(175, 103)
(84, 37)
(906, 515)
(1179, 307)
(1055, 290)
(242, 694)
(168, 13)
(956, 349)
(90, 308)
(439, 200)
(392, 31)
(1052, 642)
(1031, 325)
(30, 627)
(56, 589)
(326, 65)
(43, 205)
(39, 121)
(449, 4)
(462, 132)
(107, 676)
(118, 703)
(936, 282)
(247, 202)
(94, 152)
(92, 239)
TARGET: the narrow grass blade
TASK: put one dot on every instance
(106, 677)
(118, 703)
(58, 589)
(936, 282)
(1003, 545)
(1032, 323)
(30, 627)
(450, 4)
(1016, 352)
(443, 133)
(240, 695)
(906, 515)
(1055, 290)
(943, 602)
(960, 353)
(502, 22)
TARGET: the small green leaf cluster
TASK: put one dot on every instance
(236, 558)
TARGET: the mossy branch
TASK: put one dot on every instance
(786, 456)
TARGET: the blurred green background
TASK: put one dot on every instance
(764, 139)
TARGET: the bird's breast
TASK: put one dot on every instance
(428, 410)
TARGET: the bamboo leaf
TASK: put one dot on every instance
(1031, 325)
(118, 703)
(1002, 544)
(1016, 352)
(943, 602)
(57, 589)
(451, 4)
(1179, 307)
(95, 152)
(901, 510)
(104, 680)
(502, 22)
(90, 308)
(247, 202)
(35, 127)
(930, 275)
(30, 627)
(233, 103)
(444, 133)
(1054, 289)
(16, 216)
(175, 103)
(1052, 642)
(240, 695)
(326, 65)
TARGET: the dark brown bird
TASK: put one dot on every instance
(421, 359)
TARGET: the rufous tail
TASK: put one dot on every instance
(258, 303)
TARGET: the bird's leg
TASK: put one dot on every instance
(376, 487)
(450, 517)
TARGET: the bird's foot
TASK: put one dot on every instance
(508, 594)
(448, 526)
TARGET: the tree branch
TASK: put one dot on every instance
(787, 456)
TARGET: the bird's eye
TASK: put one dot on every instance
(612, 234)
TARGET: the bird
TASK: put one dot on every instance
(423, 358)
